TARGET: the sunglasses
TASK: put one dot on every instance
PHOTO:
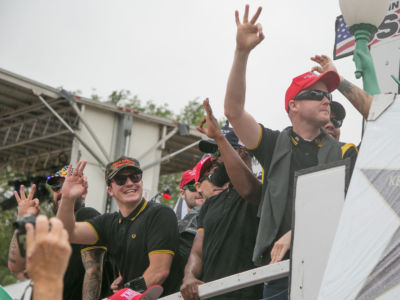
(314, 95)
(336, 122)
(57, 185)
(121, 179)
(204, 177)
(190, 186)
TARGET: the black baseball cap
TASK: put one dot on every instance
(210, 146)
(338, 110)
(114, 167)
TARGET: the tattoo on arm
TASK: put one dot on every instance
(13, 253)
(93, 263)
(359, 98)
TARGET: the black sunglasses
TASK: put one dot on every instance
(57, 185)
(204, 177)
(190, 186)
(336, 122)
(121, 179)
(314, 95)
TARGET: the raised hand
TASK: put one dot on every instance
(325, 64)
(27, 206)
(212, 130)
(249, 34)
(75, 184)
(47, 250)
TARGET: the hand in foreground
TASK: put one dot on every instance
(248, 33)
(189, 288)
(116, 284)
(74, 185)
(48, 251)
(280, 248)
(212, 130)
(27, 206)
(325, 64)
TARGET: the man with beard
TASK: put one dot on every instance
(86, 276)
(228, 221)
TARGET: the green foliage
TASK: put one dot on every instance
(6, 231)
(192, 113)
(170, 182)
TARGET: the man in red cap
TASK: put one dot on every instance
(303, 145)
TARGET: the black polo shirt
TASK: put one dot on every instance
(73, 278)
(151, 228)
(230, 226)
(304, 155)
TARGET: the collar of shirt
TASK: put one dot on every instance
(135, 213)
(296, 139)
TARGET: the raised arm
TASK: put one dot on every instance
(193, 269)
(73, 188)
(242, 178)
(249, 34)
(358, 97)
(26, 206)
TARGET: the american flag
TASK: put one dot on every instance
(344, 40)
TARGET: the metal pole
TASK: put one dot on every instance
(71, 99)
(72, 131)
(163, 140)
(159, 161)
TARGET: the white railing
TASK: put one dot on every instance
(239, 281)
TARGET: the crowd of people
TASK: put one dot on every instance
(235, 221)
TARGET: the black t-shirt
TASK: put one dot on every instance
(73, 278)
(304, 155)
(151, 228)
(230, 227)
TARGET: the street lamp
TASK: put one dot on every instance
(363, 18)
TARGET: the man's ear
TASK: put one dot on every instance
(181, 192)
(197, 185)
(109, 191)
(293, 105)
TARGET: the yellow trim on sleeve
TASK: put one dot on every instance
(346, 147)
(259, 139)
(162, 251)
(95, 232)
(200, 229)
(93, 247)
(141, 209)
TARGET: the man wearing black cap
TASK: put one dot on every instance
(89, 273)
(141, 238)
(338, 113)
(228, 222)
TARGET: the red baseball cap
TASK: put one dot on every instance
(299, 83)
(152, 293)
(202, 166)
(187, 176)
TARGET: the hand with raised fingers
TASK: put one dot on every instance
(280, 247)
(325, 64)
(75, 184)
(249, 34)
(212, 130)
(47, 250)
(27, 205)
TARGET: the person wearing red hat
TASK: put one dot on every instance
(281, 153)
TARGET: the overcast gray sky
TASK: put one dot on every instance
(171, 51)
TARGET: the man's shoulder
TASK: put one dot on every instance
(85, 213)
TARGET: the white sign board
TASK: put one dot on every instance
(319, 198)
(365, 259)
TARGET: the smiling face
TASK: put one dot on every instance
(128, 194)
